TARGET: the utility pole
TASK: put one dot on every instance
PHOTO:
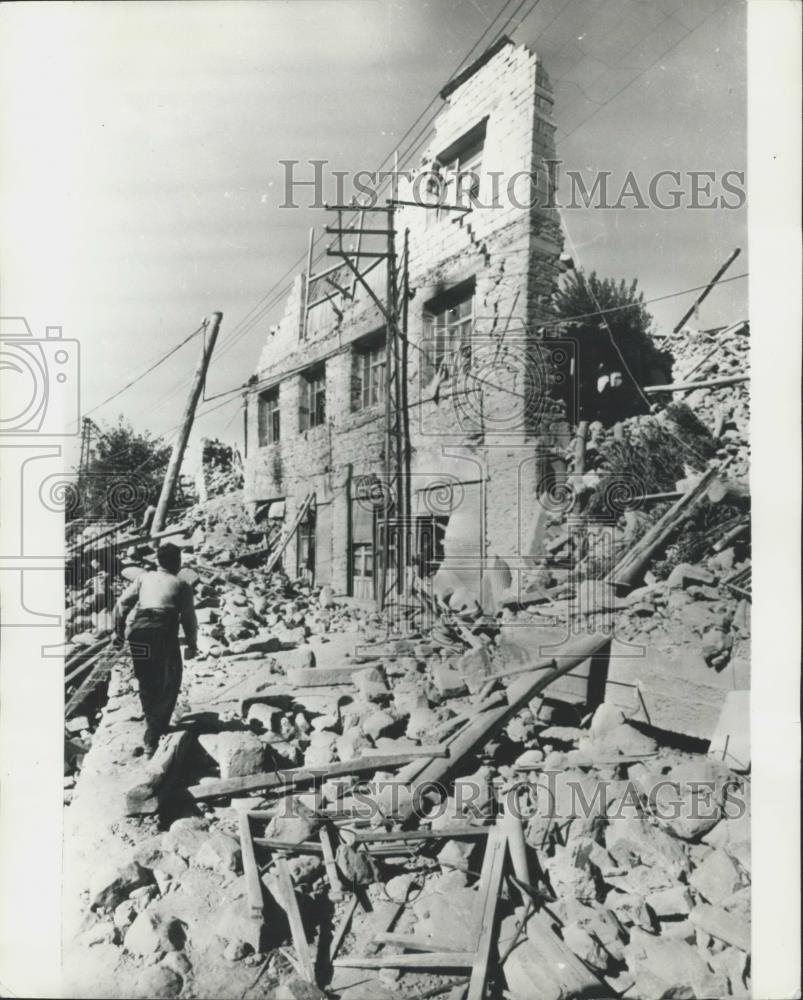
(176, 458)
(707, 289)
(395, 525)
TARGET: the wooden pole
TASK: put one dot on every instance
(707, 289)
(708, 383)
(173, 469)
(580, 447)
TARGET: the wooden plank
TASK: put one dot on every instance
(390, 922)
(256, 900)
(159, 775)
(519, 694)
(490, 883)
(96, 676)
(335, 886)
(300, 514)
(87, 664)
(303, 847)
(342, 928)
(510, 822)
(425, 960)
(307, 775)
(481, 704)
(633, 562)
(79, 656)
(412, 942)
(452, 833)
(290, 906)
(708, 383)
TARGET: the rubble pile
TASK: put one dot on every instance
(712, 354)
(346, 809)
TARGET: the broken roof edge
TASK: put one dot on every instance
(472, 68)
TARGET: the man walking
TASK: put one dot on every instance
(159, 601)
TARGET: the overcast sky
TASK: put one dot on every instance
(141, 144)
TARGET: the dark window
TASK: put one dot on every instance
(430, 534)
(448, 323)
(368, 373)
(268, 417)
(312, 410)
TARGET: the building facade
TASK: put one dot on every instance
(480, 368)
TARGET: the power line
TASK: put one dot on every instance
(147, 371)
(263, 306)
(238, 332)
(663, 55)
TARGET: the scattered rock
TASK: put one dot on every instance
(151, 933)
(114, 883)
(221, 853)
(159, 981)
(186, 836)
(240, 754)
(716, 878)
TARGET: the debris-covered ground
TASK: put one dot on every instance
(280, 844)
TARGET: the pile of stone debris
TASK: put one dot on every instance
(341, 812)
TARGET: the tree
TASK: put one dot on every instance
(123, 476)
(612, 331)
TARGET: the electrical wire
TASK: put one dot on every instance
(147, 371)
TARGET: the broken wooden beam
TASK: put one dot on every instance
(425, 960)
(519, 694)
(97, 674)
(291, 846)
(285, 541)
(88, 542)
(635, 560)
(707, 383)
(307, 775)
(451, 833)
(159, 776)
(335, 885)
(342, 928)
(256, 900)
(490, 884)
(290, 906)
(411, 942)
(87, 664)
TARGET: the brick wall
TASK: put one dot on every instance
(485, 430)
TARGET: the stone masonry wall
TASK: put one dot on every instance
(481, 425)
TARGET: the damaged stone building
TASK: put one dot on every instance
(480, 370)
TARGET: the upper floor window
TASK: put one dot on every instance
(448, 321)
(462, 163)
(312, 400)
(268, 420)
(368, 373)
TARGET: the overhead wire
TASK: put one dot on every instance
(147, 371)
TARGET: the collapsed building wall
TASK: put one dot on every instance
(478, 372)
